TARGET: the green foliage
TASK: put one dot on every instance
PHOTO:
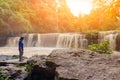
(44, 16)
(29, 66)
(13, 16)
(102, 48)
(2, 77)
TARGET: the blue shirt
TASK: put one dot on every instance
(21, 45)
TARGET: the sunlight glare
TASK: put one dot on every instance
(78, 7)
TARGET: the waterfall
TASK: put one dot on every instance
(30, 40)
(35, 40)
(63, 40)
(48, 40)
(109, 36)
(38, 41)
(12, 41)
(72, 41)
(59, 40)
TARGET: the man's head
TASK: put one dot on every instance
(21, 38)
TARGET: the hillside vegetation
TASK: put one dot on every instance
(17, 16)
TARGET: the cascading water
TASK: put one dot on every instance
(63, 40)
(35, 40)
(58, 40)
(30, 41)
(12, 41)
(38, 41)
(109, 36)
(72, 41)
(112, 40)
(48, 40)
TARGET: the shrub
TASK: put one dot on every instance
(30, 65)
(2, 77)
(102, 48)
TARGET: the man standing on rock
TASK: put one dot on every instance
(21, 48)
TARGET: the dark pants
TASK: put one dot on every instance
(20, 54)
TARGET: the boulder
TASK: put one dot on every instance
(78, 64)
(75, 64)
(39, 70)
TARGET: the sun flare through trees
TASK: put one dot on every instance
(78, 7)
(17, 16)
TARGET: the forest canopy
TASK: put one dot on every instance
(18, 16)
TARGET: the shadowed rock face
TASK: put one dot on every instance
(76, 64)
(42, 69)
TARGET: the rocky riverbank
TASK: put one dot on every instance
(76, 64)
(70, 64)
